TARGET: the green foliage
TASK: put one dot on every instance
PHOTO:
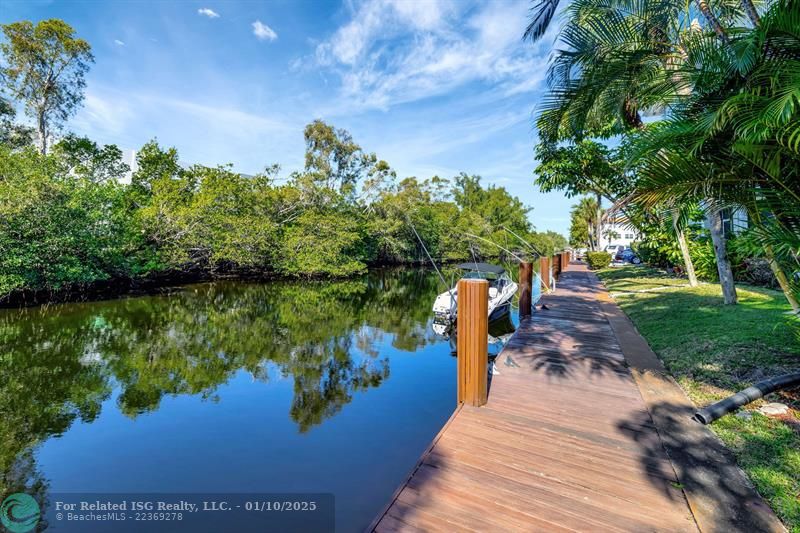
(84, 158)
(598, 260)
(56, 229)
(583, 221)
(12, 134)
(548, 242)
(705, 262)
(67, 220)
(323, 243)
(579, 168)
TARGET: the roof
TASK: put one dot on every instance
(482, 267)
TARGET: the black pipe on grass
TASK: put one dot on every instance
(750, 394)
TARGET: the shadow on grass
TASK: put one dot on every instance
(709, 345)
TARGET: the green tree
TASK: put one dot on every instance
(333, 163)
(58, 230)
(84, 158)
(45, 67)
(621, 60)
(323, 243)
(12, 134)
(583, 218)
(580, 168)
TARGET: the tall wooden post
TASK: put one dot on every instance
(556, 265)
(472, 342)
(544, 272)
(525, 288)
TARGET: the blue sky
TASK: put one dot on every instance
(431, 86)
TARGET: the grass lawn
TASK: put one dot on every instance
(714, 350)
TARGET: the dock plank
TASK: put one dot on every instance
(565, 442)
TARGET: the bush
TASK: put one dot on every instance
(598, 260)
(704, 259)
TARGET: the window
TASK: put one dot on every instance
(727, 222)
(629, 235)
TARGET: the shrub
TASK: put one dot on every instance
(598, 260)
(704, 259)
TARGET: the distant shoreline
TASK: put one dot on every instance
(167, 282)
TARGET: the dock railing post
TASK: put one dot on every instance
(472, 341)
(525, 288)
(544, 272)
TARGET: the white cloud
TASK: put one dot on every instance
(102, 114)
(204, 131)
(395, 51)
(263, 32)
(207, 12)
(118, 42)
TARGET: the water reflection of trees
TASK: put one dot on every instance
(60, 364)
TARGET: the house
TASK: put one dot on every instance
(618, 230)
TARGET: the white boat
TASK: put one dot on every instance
(501, 290)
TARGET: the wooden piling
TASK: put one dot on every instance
(544, 272)
(525, 287)
(472, 341)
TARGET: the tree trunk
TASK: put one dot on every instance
(752, 14)
(42, 123)
(599, 223)
(590, 232)
(684, 246)
(783, 281)
(712, 20)
(723, 265)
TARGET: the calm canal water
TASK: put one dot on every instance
(228, 387)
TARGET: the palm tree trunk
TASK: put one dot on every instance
(714, 220)
(783, 281)
(599, 220)
(712, 20)
(752, 14)
(684, 246)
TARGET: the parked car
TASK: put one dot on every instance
(629, 256)
(614, 249)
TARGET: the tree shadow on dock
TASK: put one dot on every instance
(720, 495)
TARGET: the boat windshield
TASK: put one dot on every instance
(491, 276)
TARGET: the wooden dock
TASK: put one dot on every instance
(565, 442)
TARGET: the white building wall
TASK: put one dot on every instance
(129, 158)
(617, 233)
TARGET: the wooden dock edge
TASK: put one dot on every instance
(413, 471)
(719, 493)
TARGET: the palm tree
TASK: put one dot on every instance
(542, 13)
(623, 58)
(584, 218)
(737, 138)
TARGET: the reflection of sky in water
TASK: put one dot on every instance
(228, 387)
